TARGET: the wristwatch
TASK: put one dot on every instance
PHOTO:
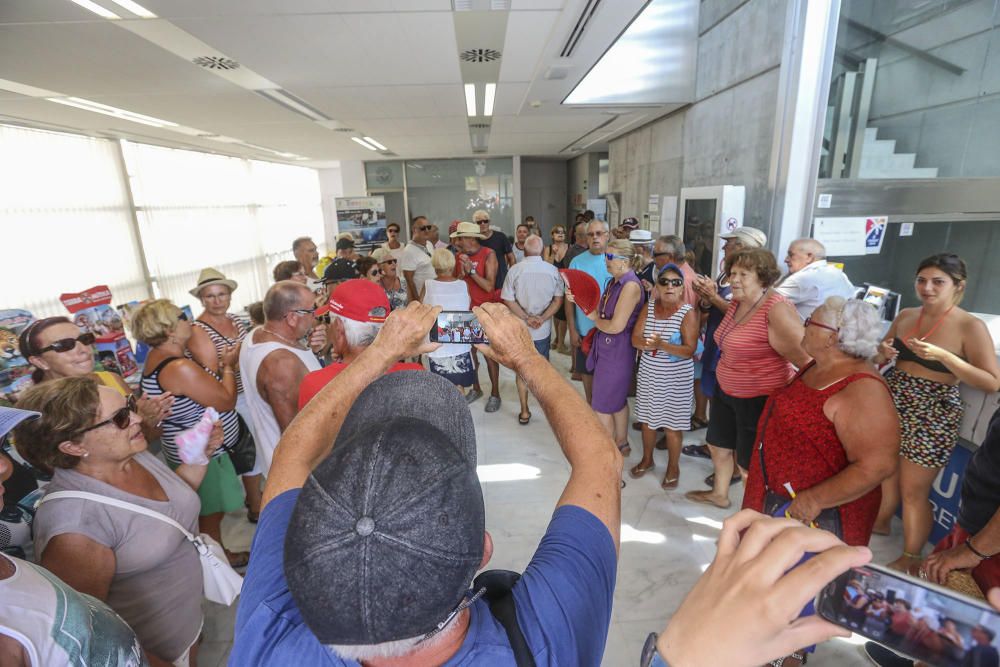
(650, 657)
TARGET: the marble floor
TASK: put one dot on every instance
(666, 541)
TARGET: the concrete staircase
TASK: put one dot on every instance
(879, 159)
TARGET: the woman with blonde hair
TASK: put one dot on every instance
(612, 357)
(451, 361)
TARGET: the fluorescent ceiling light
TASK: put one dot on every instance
(376, 144)
(470, 99)
(364, 143)
(96, 8)
(292, 103)
(651, 63)
(24, 89)
(135, 8)
(97, 107)
(491, 93)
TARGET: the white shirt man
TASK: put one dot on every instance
(416, 259)
(811, 280)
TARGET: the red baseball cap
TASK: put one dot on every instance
(358, 300)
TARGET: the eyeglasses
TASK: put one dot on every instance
(611, 256)
(810, 322)
(304, 311)
(67, 344)
(596, 234)
(121, 417)
(672, 282)
(663, 254)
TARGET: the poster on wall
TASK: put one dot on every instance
(363, 217)
(15, 371)
(875, 233)
(92, 311)
(843, 237)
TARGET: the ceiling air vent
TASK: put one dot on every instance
(479, 55)
(581, 25)
(344, 129)
(216, 62)
(479, 126)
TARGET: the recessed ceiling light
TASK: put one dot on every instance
(364, 143)
(491, 93)
(376, 144)
(96, 8)
(97, 107)
(470, 99)
(135, 8)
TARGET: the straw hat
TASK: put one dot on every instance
(467, 229)
(208, 277)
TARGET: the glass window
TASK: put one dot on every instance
(384, 175)
(446, 190)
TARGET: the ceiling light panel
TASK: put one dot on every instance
(364, 143)
(97, 107)
(652, 62)
(376, 144)
(135, 8)
(490, 98)
(470, 99)
(96, 8)
(292, 103)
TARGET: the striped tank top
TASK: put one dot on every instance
(184, 414)
(665, 391)
(749, 366)
(221, 341)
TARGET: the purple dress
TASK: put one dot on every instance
(612, 357)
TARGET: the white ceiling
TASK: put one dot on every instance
(387, 68)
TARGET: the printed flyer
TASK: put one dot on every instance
(92, 311)
(15, 371)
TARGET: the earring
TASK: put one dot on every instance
(85, 454)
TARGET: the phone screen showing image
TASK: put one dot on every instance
(458, 326)
(912, 617)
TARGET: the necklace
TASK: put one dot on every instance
(920, 323)
(278, 335)
(742, 319)
(661, 330)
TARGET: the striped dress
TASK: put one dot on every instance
(184, 414)
(221, 341)
(665, 389)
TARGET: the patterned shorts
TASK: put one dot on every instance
(930, 414)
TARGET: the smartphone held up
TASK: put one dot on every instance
(457, 326)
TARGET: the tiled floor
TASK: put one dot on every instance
(666, 540)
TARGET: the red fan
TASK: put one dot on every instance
(586, 291)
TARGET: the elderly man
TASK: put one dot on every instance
(670, 250)
(357, 310)
(374, 523)
(273, 362)
(416, 259)
(533, 291)
(307, 255)
(498, 243)
(811, 279)
(591, 262)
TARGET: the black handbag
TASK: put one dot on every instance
(244, 453)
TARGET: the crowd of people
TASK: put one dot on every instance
(371, 523)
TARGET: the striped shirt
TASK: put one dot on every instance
(749, 366)
(221, 342)
(185, 413)
(665, 385)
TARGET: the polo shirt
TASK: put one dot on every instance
(597, 268)
(533, 283)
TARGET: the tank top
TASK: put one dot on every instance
(749, 366)
(478, 295)
(452, 295)
(221, 341)
(184, 414)
(58, 626)
(265, 426)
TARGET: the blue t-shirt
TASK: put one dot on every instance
(597, 267)
(563, 600)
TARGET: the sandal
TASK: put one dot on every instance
(238, 559)
(698, 451)
(705, 498)
(625, 448)
(669, 483)
(522, 420)
(638, 470)
(697, 423)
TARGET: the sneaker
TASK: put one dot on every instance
(493, 404)
(473, 396)
(883, 657)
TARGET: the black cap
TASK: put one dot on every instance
(339, 270)
(345, 243)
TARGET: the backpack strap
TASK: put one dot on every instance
(499, 585)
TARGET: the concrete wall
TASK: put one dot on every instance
(725, 137)
(544, 192)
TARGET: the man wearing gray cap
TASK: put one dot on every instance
(373, 523)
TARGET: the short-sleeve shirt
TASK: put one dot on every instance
(501, 245)
(563, 600)
(416, 258)
(534, 283)
(810, 286)
(749, 366)
(597, 267)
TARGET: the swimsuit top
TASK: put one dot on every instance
(906, 354)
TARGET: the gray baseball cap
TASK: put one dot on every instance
(387, 533)
(750, 236)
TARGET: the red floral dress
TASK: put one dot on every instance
(801, 447)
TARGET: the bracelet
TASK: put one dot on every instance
(979, 554)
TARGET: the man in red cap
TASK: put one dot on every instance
(358, 309)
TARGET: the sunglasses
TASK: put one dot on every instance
(425, 228)
(611, 256)
(121, 417)
(810, 322)
(392, 230)
(374, 273)
(672, 282)
(67, 344)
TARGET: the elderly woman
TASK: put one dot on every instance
(935, 347)
(144, 569)
(164, 327)
(760, 338)
(57, 348)
(393, 284)
(368, 269)
(556, 254)
(451, 361)
(612, 357)
(666, 333)
(213, 332)
(290, 270)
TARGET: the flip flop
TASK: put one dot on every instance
(671, 483)
(522, 420)
(625, 448)
(638, 470)
(698, 424)
(238, 559)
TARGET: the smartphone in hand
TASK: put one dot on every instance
(457, 326)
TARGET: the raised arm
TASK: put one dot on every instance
(784, 333)
(595, 479)
(310, 437)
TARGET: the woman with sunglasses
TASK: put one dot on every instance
(164, 327)
(368, 269)
(667, 336)
(144, 569)
(612, 357)
(57, 348)
(393, 283)
(556, 254)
